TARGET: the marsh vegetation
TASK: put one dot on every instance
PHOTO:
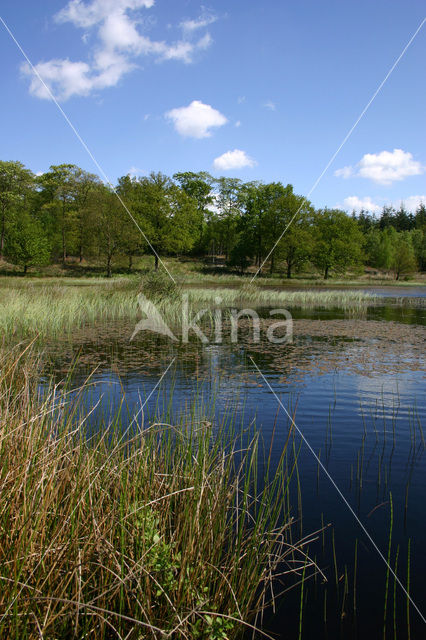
(147, 526)
(195, 512)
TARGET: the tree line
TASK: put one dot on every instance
(69, 212)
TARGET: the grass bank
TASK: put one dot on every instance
(194, 270)
(162, 533)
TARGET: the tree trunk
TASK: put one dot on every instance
(289, 270)
(109, 270)
(272, 264)
(130, 261)
(25, 269)
(156, 261)
(326, 273)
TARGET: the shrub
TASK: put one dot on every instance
(158, 286)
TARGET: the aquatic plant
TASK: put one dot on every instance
(54, 308)
(301, 299)
(50, 308)
(156, 530)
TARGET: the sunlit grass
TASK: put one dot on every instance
(51, 307)
(305, 299)
(196, 270)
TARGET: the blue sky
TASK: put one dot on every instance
(255, 90)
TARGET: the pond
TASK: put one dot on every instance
(355, 388)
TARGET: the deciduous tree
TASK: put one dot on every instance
(338, 241)
(15, 184)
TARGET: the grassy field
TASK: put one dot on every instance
(192, 271)
(152, 530)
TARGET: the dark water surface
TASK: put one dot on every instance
(359, 401)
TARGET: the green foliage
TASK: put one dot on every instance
(294, 215)
(166, 214)
(161, 558)
(27, 244)
(158, 286)
(338, 241)
(108, 217)
(403, 258)
(379, 247)
(199, 187)
(402, 252)
(16, 183)
(211, 627)
(227, 201)
(132, 240)
(235, 222)
(239, 257)
(418, 239)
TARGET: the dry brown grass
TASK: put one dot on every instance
(160, 533)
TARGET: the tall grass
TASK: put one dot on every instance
(303, 299)
(58, 306)
(162, 533)
(53, 308)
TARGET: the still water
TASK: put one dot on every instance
(355, 387)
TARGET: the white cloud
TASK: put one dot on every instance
(200, 23)
(345, 172)
(204, 42)
(117, 31)
(135, 172)
(411, 203)
(71, 77)
(235, 159)
(238, 124)
(270, 105)
(384, 167)
(196, 120)
(118, 45)
(87, 15)
(351, 203)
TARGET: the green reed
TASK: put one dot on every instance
(164, 529)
